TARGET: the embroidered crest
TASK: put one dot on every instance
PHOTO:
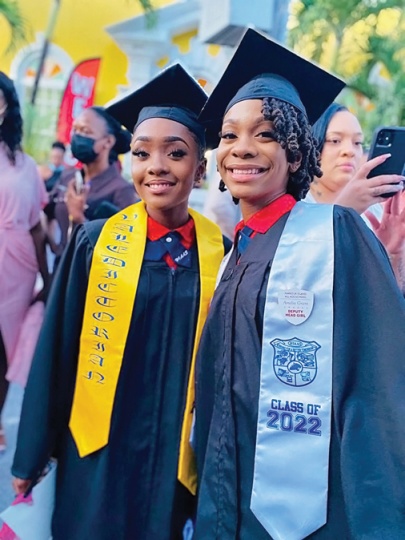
(294, 361)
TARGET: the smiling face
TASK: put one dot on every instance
(252, 164)
(165, 168)
(342, 151)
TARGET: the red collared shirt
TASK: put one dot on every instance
(157, 230)
(267, 216)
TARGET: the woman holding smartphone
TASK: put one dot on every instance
(344, 181)
(111, 390)
(300, 372)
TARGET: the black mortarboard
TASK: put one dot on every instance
(172, 94)
(262, 68)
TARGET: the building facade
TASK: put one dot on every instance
(131, 49)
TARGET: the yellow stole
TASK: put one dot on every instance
(113, 282)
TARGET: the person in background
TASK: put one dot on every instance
(22, 240)
(344, 181)
(220, 207)
(100, 191)
(111, 389)
(51, 171)
(50, 174)
(300, 374)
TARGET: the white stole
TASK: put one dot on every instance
(289, 495)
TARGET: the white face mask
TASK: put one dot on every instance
(3, 113)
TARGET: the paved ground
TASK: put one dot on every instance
(11, 415)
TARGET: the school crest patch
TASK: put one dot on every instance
(295, 361)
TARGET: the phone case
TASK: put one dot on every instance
(388, 140)
(79, 182)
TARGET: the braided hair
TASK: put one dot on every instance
(293, 132)
(11, 128)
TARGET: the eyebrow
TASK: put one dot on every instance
(166, 140)
(257, 121)
(342, 133)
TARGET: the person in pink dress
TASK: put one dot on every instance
(22, 241)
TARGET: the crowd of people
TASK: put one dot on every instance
(192, 385)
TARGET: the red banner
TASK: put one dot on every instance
(78, 95)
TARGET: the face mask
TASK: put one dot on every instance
(82, 148)
(55, 169)
(3, 114)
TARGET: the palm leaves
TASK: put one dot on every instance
(146, 5)
(150, 13)
(11, 12)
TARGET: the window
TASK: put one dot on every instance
(40, 122)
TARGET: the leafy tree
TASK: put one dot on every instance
(345, 37)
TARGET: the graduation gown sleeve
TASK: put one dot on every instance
(368, 384)
(49, 391)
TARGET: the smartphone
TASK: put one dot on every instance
(388, 140)
(79, 182)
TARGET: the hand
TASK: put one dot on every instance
(42, 295)
(76, 203)
(391, 229)
(361, 192)
(44, 172)
(20, 486)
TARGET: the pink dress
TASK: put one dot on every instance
(21, 198)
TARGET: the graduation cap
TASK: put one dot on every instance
(173, 94)
(262, 68)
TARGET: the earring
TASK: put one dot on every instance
(222, 186)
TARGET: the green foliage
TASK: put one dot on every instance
(146, 5)
(150, 13)
(322, 24)
(339, 14)
(11, 11)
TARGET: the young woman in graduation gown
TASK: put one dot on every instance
(300, 372)
(111, 390)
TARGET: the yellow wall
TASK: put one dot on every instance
(80, 31)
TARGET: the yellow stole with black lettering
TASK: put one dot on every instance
(113, 282)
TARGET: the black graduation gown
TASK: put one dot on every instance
(128, 490)
(367, 452)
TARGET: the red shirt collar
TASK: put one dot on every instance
(267, 216)
(187, 231)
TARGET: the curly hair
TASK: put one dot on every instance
(293, 132)
(11, 128)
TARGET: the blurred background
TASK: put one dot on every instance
(67, 54)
